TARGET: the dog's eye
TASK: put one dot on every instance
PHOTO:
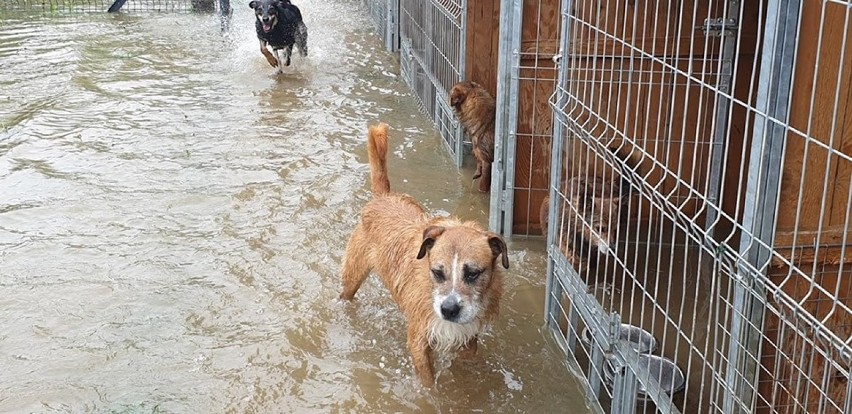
(471, 277)
(438, 274)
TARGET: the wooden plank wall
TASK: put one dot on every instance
(810, 170)
(482, 43)
(536, 83)
(797, 375)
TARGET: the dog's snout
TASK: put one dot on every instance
(450, 309)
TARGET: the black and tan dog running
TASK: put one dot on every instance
(279, 23)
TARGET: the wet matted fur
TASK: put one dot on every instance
(279, 24)
(444, 274)
(598, 202)
(475, 108)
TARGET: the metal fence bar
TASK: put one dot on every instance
(557, 143)
(727, 28)
(762, 193)
(500, 215)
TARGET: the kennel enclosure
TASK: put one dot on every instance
(733, 208)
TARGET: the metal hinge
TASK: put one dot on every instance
(719, 26)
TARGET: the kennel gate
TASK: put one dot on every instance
(432, 60)
(385, 15)
(733, 250)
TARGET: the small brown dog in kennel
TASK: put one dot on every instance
(475, 108)
(444, 274)
(593, 210)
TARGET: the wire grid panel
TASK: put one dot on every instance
(528, 72)
(88, 6)
(432, 34)
(385, 14)
(701, 185)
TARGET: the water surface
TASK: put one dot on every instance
(173, 216)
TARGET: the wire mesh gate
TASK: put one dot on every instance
(699, 210)
(432, 60)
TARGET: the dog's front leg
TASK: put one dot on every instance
(485, 173)
(478, 172)
(269, 56)
(279, 53)
(288, 51)
(421, 355)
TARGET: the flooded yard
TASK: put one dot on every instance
(173, 216)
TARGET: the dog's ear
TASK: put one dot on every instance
(429, 235)
(498, 248)
(253, 4)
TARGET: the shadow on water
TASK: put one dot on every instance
(173, 215)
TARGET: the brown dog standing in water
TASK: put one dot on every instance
(475, 108)
(442, 273)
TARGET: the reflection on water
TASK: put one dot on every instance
(173, 215)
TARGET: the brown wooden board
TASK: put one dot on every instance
(796, 372)
(482, 43)
(815, 182)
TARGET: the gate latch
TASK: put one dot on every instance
(719, 26)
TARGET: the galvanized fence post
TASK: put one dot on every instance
(763, 186)
(556, 145)
(503, 167)
(729, 32)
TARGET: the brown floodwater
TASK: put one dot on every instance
(173, 216)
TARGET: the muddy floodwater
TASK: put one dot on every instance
(173, 217)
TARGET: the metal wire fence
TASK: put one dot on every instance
(385, 14)
(699, 211)
(432, 60)
(101, 6)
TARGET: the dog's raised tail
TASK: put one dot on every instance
(377, 151)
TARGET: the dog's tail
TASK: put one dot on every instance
(377, 150)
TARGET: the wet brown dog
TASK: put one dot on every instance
(442, 273)
(475, 108)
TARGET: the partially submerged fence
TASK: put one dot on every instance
(385, 15)
(431, 37)
(708, 143)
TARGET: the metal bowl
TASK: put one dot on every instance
(664, 370)
(639, 339)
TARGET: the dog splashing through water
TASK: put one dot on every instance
(279, 24)
(444, 274)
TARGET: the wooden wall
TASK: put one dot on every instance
(826, 177)
(796, 373)
(821, 119)
(536, 83)
(482, 44)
